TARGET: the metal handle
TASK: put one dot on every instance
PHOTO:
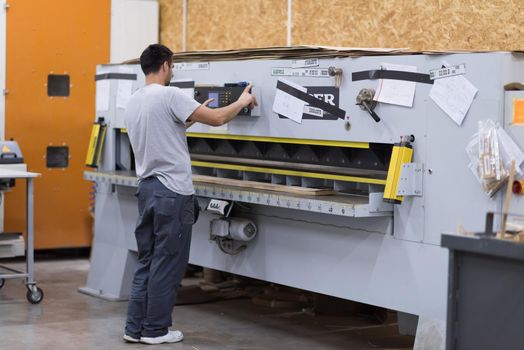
(371, 112)
(365, 101)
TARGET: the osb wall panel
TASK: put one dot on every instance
(227, 24)
(224, 24)
(417, 24)
(171, 23)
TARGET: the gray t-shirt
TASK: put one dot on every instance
(155, 118)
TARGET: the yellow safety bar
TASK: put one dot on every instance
(96, 141)
(280, 140)
(401, 153)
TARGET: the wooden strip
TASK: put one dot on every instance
(507, 201)
(256, 169)
(305, 191)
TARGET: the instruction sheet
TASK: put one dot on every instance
(454, 95)
(287, 105)
(396, 92)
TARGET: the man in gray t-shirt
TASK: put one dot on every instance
(156, 119)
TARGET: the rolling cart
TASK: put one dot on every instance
(34, 294)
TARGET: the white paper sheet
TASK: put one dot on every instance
(124, 91)
(102, 95)
(454, 95)
(396, 92)
(287, 105)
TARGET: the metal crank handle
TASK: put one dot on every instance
(370, 111)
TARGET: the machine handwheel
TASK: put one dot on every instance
(35, 297)
(2, 282)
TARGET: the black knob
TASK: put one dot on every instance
(371, 112)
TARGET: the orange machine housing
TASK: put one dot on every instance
(53, 37)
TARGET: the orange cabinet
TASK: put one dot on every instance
(54, 46)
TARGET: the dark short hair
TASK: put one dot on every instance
(154, 57)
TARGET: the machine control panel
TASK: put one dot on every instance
(222, 96)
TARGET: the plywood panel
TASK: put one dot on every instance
(171, 23)
(60, 37)
(417, 24)
(229, 24)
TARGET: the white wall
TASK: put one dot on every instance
(134, 25)
(2, 87)
(2, 67)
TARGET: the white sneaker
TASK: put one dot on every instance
(130, 339)
(170, 337)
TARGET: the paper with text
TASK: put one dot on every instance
(454, 95)
(287, 105)
(397, 92)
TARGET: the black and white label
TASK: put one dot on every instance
(313, 111)
(191, 66)
(300, 72)
(445, 72)
(309, 62)
(217, 206)
(327, 94)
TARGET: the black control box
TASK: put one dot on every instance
(222, 96)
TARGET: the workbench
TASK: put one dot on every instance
(34, 294)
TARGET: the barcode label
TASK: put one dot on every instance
(310, 62)
(447, 71)
(191, 66)
(317, 112)
(300, 72)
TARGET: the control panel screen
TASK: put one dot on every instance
(214, 95)
(222, 96)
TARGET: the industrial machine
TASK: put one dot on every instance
(350, 200)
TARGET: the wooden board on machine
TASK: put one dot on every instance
(304, 191)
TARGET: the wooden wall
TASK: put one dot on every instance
(171, 23)
(417, 24)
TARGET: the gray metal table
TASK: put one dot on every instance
(485, 293)
(34, 293)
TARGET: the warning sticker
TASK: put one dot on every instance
(518, 111)
(445, 72)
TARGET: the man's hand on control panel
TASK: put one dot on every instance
(222, 115)
(247, 99)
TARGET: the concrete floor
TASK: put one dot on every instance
(67, 319)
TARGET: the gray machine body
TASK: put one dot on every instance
(370, 252)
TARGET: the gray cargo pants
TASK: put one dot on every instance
(163, 236)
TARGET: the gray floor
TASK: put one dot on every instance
(67, 319)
